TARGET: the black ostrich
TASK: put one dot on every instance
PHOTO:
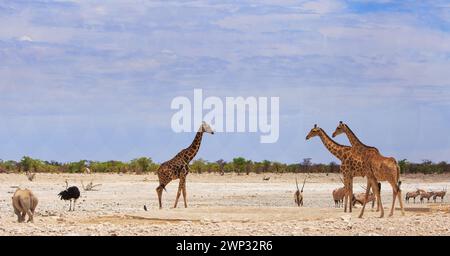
(71, 193)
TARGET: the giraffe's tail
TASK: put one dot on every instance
(399, 182)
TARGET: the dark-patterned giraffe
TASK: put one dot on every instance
(351, 166)
(178, 167)
(384, 168)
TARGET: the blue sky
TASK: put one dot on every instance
(94, 79)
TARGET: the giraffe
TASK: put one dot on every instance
(351, 166)
(383, 168)
(178, 166)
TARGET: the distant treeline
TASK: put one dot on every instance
(237, 165)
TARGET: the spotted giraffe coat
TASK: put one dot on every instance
(178, 166)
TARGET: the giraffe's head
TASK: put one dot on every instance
(314, 132)
(339, 129)
(206, 128)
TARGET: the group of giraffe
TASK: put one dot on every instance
(360, 160)
(356, 160)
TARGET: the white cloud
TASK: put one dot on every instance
(25, 39)
(128, 58)
(323, 6)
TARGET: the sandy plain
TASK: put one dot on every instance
(217, 205)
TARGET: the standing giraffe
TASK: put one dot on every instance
(383, 168)
(178, 167)
(352, 165)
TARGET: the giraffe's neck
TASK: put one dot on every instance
(352, 137)
(354, 141)
(192, 150)
(335, 148)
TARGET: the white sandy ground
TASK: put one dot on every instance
(218, 205)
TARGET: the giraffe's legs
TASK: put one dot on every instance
(377, 193)
(159, 191)
(348, 195)
(345, 201)
(401, 202)
(184, 192)
(395, 191)
(178, 193)
(378, 205)
(365, 198)
(372, 183)
(400, 199)
(394, 197)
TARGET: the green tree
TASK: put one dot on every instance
(266, 166)
(333, 167)
(403, 164)
(28, 164)
(221, 163)
(76, 167)
(143, 165)
(239, 164)
(198, 165)
(277, 167)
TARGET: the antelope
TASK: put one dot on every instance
(298, 196)
(413, 195)
(30, 176)
(90, 186)
(360, 198)
(266, 178)
(440, 194)
(426, 195)
(338, 197)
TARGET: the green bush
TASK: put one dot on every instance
(238, 165)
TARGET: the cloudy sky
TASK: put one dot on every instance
(95, 79)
